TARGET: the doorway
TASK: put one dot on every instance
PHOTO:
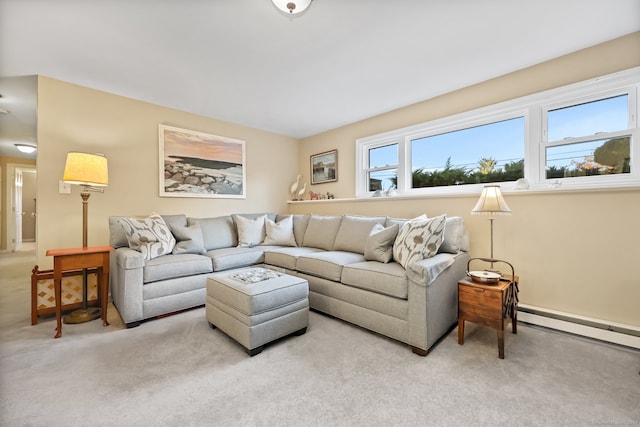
(22, 203)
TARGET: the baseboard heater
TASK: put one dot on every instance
(625, 335)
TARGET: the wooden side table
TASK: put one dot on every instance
(492, 305)
(75, 259)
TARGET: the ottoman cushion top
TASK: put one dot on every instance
(234, 288)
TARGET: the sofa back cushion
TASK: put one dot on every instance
(321, 232)
(218, 232)
(354, 231)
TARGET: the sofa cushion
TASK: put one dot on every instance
(234, 257)
(279, 233)
(300, 223)
(327, 265)
(388, 279)
(418, 240)
(321, 231)
(218, 232)
(354, 231)
(379, 245)
(172, 266)
(251, 231)
(149, 236)
(286, 257)
(402, 221)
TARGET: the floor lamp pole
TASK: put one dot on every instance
(491, 221)
(85, 314)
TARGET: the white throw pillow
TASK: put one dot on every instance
(250, 231)
(379, 246)
(280, 233)
(418, 240)
(149, 236)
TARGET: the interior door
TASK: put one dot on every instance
(17, 210)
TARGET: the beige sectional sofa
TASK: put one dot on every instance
(353, 264)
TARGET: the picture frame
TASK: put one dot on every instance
(198, 164)
(324, 167)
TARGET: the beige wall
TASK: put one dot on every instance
(575, 251)
(75, 118)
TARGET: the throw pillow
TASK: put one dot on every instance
(453, 240)
(419, 240)
(279, 233)
(379, 246)
(189, 239)
(150, 236)
(250, 230)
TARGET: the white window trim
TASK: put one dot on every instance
(533, 108)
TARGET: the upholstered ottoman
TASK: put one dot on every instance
(255, 306)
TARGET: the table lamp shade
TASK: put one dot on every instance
(491, 202)
(86, 169)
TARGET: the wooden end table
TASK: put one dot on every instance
(76, 259)
(492, 305)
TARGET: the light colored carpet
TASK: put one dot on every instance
(178, 371)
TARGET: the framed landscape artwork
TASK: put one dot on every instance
(324, 167)
(196, 164)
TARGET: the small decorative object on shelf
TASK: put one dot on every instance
(489, 299)
(294, 187)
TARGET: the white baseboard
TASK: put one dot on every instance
(611, 332)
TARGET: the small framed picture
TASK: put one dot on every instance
(324, 167)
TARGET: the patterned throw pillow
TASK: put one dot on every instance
(149, 236)
(280, 233)
(418, 240)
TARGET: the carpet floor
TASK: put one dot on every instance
(178, 371)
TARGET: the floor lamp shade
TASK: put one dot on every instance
(491, 202)
(86, 169)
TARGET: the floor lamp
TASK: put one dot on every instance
(90, 171)
(491, 203)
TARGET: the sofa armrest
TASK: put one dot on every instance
(126, 280)
(128, 258)
(426, 271)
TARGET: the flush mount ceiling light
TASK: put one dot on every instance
(25, 148)
(292, 7)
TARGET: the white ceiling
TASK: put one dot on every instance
(341, 61)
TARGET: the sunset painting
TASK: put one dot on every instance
(196, 164)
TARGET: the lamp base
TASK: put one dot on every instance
(82, 315)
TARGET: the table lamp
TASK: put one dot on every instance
(491, 203)
(90, 171)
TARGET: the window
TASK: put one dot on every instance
(383, 167)
(589, 139)
(581, 136)
(491, 152)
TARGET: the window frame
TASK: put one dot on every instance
(534, 108)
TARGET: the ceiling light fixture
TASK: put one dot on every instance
(25, 148)
(292, 7)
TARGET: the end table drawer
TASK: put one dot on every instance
(478, 314)
(480, 297)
